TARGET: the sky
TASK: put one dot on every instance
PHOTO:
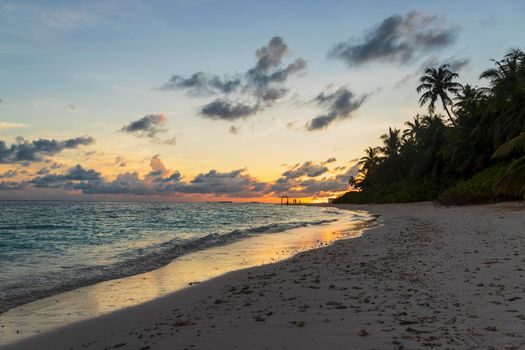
(197, 100)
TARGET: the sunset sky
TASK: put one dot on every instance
(220, 100)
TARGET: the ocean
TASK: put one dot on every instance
(51, 247)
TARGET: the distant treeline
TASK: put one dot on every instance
(474, 154)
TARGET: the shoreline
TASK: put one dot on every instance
(428, 277)
(143, 264)
(98, 299)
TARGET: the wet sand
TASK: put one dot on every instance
(429, 277)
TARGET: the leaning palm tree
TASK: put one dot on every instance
(438, 83)
(506, 107)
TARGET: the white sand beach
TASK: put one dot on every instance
(428, 277)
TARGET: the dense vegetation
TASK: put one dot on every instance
(474, 154)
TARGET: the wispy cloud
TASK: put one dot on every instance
(397, 39)
(10, 125)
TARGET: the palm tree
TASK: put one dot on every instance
(391, 148)
(506, 112)
(370, 159)
(355, 182)
(468, 98)
(438, 83)
(414, 130)
(391, 143)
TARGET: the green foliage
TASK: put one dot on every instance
(481, 188)
(512, 184)
(396, 193)
(453, 161)
(509, 148)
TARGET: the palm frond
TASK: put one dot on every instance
(510, 148)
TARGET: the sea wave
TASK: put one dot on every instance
(135, 262)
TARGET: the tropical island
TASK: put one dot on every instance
(475, 154)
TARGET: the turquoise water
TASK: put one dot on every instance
(49, 247)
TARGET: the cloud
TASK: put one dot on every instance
(25, 151)
(222, 109)
(309, 179)
(148, 126)
(235, 183)
(8, 174)
(151, 125)
(67, 180)
(339, 105)
(305, 186)
(202, 84)
(397, 39)
(172, 141)
(255, 90)
(234, 130)
(78, 173)
(11, 185)
(330, 160)
(308, 168)
(157, 166)
(458, 64)
(10, 125)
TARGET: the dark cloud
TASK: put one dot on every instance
(235, 183)
(11, 185)
(339, 105)
(234, 130)
(314, 186)
(66, 181)
(25, 152)
(43, 171)
(256, 89)
(78, 173)
(308, 168)
(265, 78)
(8, 174)
(222, 109)
(458, 64)
(201, 83)
(397, 39)
(150, 125)
(125, 183)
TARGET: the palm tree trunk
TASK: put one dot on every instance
(446, 110)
